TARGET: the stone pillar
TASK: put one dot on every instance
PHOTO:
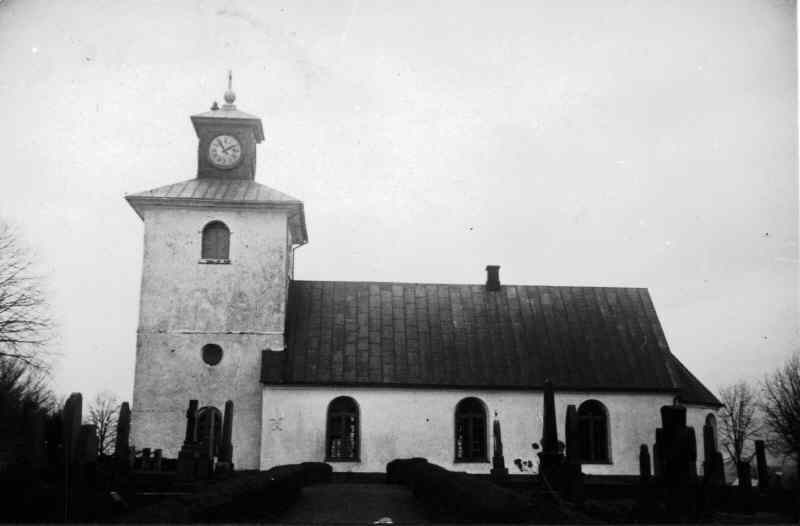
(677, 447)
(550, 455)
(572, 435)
(71, 417)
(499, 471)
(761, 465)
(226, 447)
(146, 460)
(122, 439)
(657, 471)
(713, 469)
(675, 453)
(71, 425)
(191, 423)
(207, 443)
(644, 464)
(189, 454)
(745, 493)
(157, 457)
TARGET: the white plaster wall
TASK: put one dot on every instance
(185, 305)
(401, 423)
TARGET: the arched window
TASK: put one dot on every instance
(471, 431)
(342, 439)
(593, 430)
(216, 241)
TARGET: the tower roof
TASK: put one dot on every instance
(210, 191)
(228, 114)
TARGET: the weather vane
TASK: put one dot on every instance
(230, 96)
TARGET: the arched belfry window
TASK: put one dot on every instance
(471, 431)
(593, 426)
(342, 436)
(216, 241)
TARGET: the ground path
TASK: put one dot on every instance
(354, 503)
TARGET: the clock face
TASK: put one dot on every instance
(224, 151)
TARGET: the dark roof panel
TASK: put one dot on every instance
(238, 192)
(413, 334)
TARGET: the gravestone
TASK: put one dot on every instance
(122, 439)
(209, 434)
(572, 435)
(564, 478)
(71, 426)
(677, 447)
(644, 464)
(657, 460)
(550, 455)
(713, 468)
(225, 461)
(145, 461)
(499, 471)
(676, 464)
(157, 458)
(570, 473)
(189, 453)
(761, 465)
(745, 489)
(71, 417)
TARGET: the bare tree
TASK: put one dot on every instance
(782, 407)
(25, 324)
(20, 384)
(103, 413)
(739, 424)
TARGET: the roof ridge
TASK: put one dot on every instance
(509, 285)
(166, 191)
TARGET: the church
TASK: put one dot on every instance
(360, 373)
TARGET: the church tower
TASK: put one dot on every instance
(217, 264)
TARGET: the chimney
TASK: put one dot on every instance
(492, 277)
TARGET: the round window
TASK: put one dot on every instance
(212, 353)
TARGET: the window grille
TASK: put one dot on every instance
(593, 430)
(342, 442)
(216, 241)
(471, 431)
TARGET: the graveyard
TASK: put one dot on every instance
(57, 476)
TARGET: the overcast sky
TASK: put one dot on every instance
(621, 143)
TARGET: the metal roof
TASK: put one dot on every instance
(231, 115)
(223, 191)
(443, 335)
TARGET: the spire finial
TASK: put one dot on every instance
(230, 96)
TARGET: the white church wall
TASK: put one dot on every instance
(401, 423)
(186, 304)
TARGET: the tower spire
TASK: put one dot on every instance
(230, 96)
